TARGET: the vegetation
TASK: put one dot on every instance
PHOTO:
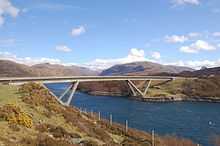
(190, 89)
(204, 89)
(30, 116)
(14, 115)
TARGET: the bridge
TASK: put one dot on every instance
(75, 80)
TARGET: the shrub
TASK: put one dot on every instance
(35, 95)
(14, 115)
(56, 131)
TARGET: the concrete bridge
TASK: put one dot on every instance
(75, 80)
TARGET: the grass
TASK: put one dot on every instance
(164, 89)
(168, 89)
(9, 94)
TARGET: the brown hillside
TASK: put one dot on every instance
(143, 68)
(12, 69)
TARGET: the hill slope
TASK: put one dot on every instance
(47, 69)
(32, 117)
(143, 68)
(12, 69)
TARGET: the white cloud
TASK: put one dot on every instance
(78, 31)
(176, 39)
(197, 64)
(100, 64)
(156, 55)
(135, 55)
(194, 34)
(182, 38)
(6, 8)
(183, 2)
(216, 34)
(27, 60)
(199, 45)
(63, 48)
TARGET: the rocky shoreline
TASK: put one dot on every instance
(171, 99)
(157, 99)
(192, 90)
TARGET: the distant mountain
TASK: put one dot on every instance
(47, 69)
(143, 68)
(12, 69)
(204, 72)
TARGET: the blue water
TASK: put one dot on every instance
(198, 121)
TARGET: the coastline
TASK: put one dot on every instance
(191, 90)
(171, 99)
(157, 99)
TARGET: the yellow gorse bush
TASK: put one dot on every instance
(14, 115)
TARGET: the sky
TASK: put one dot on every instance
(101, 33)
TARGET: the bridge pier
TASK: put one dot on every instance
(66, 91)
(73, 88)
(132, 89)
(135, 90)
(148, 86)
(75, 85)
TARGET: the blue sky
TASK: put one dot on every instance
(101, 33)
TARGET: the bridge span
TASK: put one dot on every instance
(75, 80)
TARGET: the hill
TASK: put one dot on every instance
(143, 68)
(47, 69)
(12, 69)
(32, 117)
(205, 72)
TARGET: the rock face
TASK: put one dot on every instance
(12, 69)
(143, 68)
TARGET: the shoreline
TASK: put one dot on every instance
(158, 99)
(167, 99)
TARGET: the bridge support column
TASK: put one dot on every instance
(135, 89)
(148, 85)
(132, 89)
(74, 87)
(66, 91)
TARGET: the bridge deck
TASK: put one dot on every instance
(80, 79)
